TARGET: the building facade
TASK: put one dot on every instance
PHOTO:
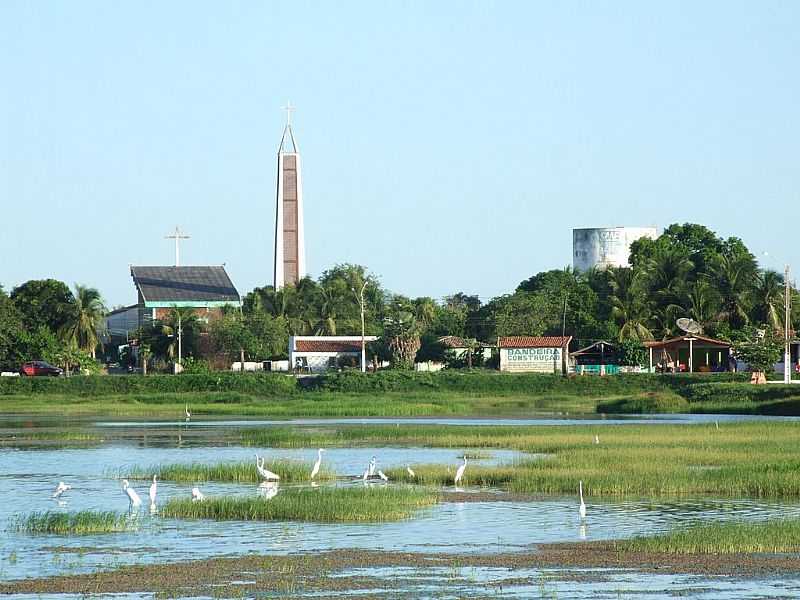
(319, 353)
(536, 354)
(603, 247)
(204, 289)
(290, 252)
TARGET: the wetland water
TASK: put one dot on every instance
(29, 472)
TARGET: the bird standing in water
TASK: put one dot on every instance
(582, 507)
(460, 471)
(317, 464)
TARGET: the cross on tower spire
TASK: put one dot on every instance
(288, 108)
(177, 235)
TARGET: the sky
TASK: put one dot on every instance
(447, 146)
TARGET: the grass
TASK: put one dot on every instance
(324, 505)
(721, 538)
(756, 460)
(237, 472)
(84, 522)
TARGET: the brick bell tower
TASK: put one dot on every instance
(290, 250)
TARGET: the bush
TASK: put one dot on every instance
(739, 392)
(649, 403)
(260, 384)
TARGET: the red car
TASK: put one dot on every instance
(39, 367)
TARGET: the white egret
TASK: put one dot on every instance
(266, 474)
(133, 497)
(153, 491)
(410, 471)
(317, 464)
(382, 476)
(61, 488)
(268, 489)
(188, 414)
(582, 507)
(197, 495)
(373, 461)
(460, 471)
(596, 439)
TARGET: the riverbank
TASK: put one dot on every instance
(393, 394)
(353, 569)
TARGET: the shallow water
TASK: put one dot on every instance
(28, 477)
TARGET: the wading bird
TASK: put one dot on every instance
(460, 472)
(266, 474)
(596, 439)
(373, 461)
(197, 495)
(582, 507)
(188, 414)
(410, 471)
(133, 497)
(61, 488)
(153, 492)
(382, 476)
(317, 464)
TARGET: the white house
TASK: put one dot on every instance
(539, 354)
(318, 353)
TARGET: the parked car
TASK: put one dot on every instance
(36, 368)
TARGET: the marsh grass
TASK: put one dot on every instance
(84, 522)
(721, 538)
(324, 505)
(755, 459)
(290, 471)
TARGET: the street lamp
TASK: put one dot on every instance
(360, 298)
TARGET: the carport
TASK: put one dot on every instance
(692, 353)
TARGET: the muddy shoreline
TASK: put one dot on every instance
(332, 571)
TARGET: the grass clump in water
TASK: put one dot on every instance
(236, 472)
(721, 538)
(323, 505)
(85, 522)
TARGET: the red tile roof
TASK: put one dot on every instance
(327, 346)
(529, 341)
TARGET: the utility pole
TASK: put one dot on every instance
(360, 298)
(180, 344)
(787, 306)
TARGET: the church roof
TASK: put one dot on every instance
(184, 286)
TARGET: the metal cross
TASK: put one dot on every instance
(177, 235)
(289, 108)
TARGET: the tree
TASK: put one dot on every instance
(12, 331)
(734, 278)
(45, 302)
(163, 336)
(85, 320)
(628, 305)
(767, 301)
(402, 333)
(667, 274)
(760, 353)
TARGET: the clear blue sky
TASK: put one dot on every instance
(448, 146)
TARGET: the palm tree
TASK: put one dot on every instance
(667, 272)
(702, 303)
(85, 321)
(768, 299)
(734, 277)
(190, 325)
(627, 305)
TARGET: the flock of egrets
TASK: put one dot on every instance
(269, 485)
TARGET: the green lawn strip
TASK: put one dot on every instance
(734, 537)
(325, 505)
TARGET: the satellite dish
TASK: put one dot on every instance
(689, 325)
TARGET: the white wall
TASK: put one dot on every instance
(530, 360)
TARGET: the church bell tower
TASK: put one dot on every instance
(290, 251)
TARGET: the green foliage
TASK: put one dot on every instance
(85, 522)
(290, 471)
(760, 354)
(736, 537)
(632, 353)
(323, 505)
(262, 384)
(195, 366)
(85, 320)
(46, 302)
